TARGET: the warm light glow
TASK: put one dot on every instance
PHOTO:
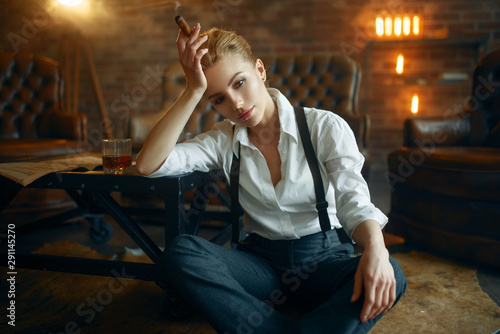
(400, 64)
(75, 9)
(414, 104)
(379, 26)
(70, 3)
(397, 26)
(406, 25)
(416, 25)
(388, 26)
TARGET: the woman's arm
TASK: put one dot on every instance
(375, 273)
(163, 137)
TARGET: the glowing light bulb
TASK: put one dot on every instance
(400, 64)
(406, 25)
(397, 26)
(388, 26)
(416, 25)
(414, 104)
(379, 26)
(70, 3)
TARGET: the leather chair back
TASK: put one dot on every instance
(31, 89)
(328, 81)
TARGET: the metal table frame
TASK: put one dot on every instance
(96, 185)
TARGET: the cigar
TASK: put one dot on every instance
(183, 25)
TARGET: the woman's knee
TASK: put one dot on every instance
(179, 249)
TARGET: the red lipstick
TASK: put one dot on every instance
(246, 114)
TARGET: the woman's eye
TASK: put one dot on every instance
(239, 83)
(219, 100)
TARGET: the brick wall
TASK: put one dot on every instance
(133, 40)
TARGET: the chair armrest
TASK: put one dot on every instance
(438, 131)
(64, 125)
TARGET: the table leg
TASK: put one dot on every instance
(128, 225)
(175, 216)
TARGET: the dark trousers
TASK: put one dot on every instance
(241, 291)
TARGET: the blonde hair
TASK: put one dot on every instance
(221, 43)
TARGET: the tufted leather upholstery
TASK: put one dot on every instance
(327, 81)
(32, 119)
(446, 177)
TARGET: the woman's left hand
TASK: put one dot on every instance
(375, 275)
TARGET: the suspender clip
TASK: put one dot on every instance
(321, 205)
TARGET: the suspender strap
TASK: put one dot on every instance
(235, 202)
(312, 161)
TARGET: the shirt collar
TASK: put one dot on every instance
(288, 123)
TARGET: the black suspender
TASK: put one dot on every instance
(312, 161)
(234, 178)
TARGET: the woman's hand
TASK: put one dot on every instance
(162, 138)
(190, 56)
(375, 274)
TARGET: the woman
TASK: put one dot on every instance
(286, 255)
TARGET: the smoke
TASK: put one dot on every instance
(177, 7)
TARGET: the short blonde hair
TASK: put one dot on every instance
(221, 43)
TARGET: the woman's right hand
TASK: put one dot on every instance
(162, 138)
(190, 56)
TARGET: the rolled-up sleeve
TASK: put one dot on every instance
(343, 163)
(202, 153)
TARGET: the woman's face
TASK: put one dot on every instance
(237, 91)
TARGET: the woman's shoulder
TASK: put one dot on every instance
(223, 127)
(320, 118)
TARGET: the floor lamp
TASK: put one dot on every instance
(73, 86)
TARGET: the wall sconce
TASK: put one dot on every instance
(400, 26)
(414, 103)
(400, 64)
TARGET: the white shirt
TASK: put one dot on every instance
(287, 211)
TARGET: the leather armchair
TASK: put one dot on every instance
(446, 178)
(328, 81)
(33, 122)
